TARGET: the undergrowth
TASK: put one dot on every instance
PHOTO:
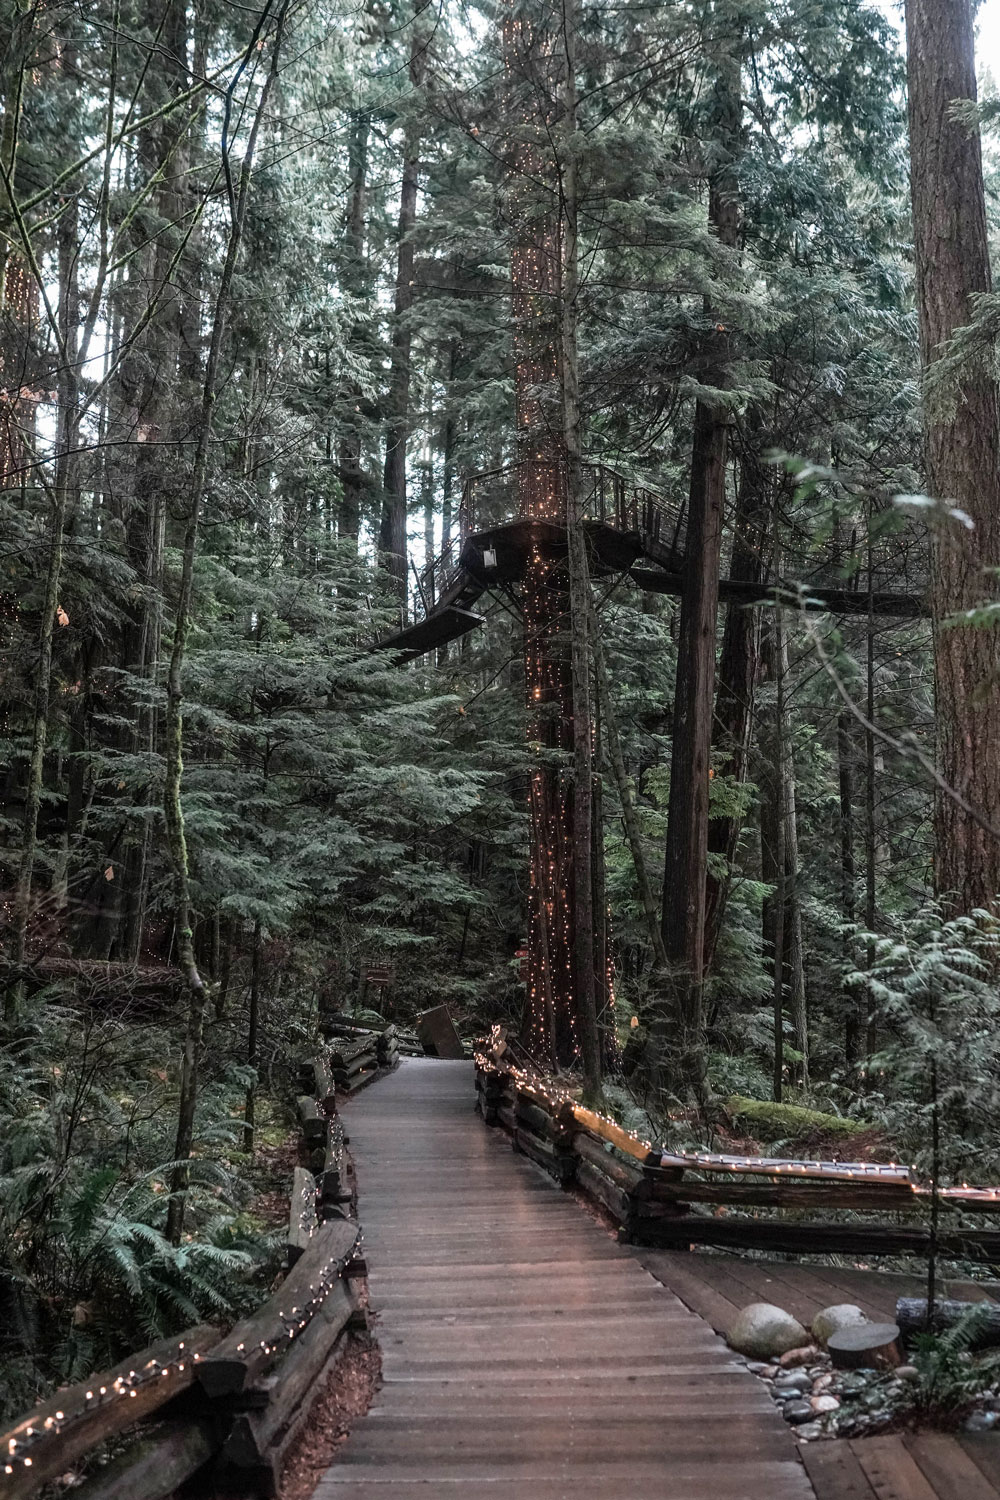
(87, 1116)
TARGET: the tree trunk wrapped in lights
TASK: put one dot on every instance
(560, 1021)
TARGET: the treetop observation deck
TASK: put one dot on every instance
(634, 532)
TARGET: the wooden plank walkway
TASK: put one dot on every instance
(917, 1466)
(526, 1355)
(717, 1286)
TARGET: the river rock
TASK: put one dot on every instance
(980, 1421)
(808, 1430)
(821, 1404)
(797, 1412)
(764, 1331)
(793, 1357)
(794, 1380)
(833, 1319)
(907, 1372)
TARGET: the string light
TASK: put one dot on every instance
(129, 1386)
(559, 1098)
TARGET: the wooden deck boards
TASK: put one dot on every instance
(717, 1286)
(526, 1356)
(924, 1466)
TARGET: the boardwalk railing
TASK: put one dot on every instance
(489, 499)
(761, 1203)
(235, 1401)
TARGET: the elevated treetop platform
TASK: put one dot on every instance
(633, 533)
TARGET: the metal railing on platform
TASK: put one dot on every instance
(489, 498)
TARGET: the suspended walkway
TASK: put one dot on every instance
(634, 534)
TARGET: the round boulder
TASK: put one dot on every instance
(764, 1331)
(833, 1319)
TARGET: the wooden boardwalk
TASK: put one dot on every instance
(717, 1286)
(526, 1355)
(913, 1466)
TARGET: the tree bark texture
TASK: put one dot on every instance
(962, 447)
(686, 859)
(738, 662)
(349, 451)
(392, 532)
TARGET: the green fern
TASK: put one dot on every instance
(950, 1379)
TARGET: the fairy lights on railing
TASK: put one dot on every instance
(562, 1101)
(37, 1430)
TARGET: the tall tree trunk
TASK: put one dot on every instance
(253, 1020)
(686, 859)
(630, 816)
(792, 906)
(392, 532)
(349, 452)
(782, 912)
(174, 722)
(855, 1023)
(737, 669)
(962, 447)
(63, 497)
(428, 497)
(579, 586)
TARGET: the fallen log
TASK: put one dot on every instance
(260, 1340)
(984, 1332)
(93, 980)
(56, 1432)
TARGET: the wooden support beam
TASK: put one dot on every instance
(56, 1433)
(786, 1237)
(154, 1467)
(812, 597)
(255, 1344)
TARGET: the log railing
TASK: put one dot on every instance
(233, 1403)
(660, 1198)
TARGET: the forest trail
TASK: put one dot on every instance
(526, 1355)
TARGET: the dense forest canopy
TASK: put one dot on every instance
(300, 301)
